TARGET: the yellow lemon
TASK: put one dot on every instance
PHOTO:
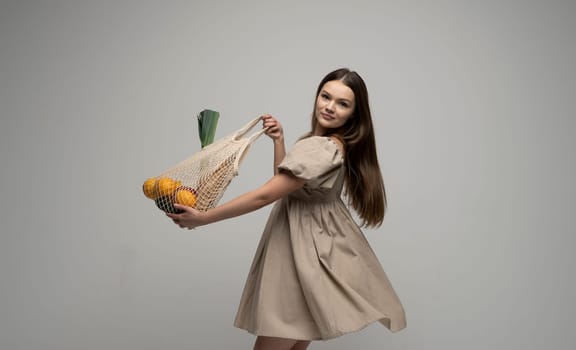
(149, 188)
(166, 186)
(185, 196)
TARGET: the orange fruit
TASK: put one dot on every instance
(166, 186)
(185, 196)
(149, 188)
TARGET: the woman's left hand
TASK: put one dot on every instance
(273, 127)
(190, 218)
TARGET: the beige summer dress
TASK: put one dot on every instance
(314, 275)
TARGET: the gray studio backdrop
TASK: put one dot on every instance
(473, 103)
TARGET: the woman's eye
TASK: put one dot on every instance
(344, 104)
(324, 96)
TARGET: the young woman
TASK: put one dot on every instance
(314, 275)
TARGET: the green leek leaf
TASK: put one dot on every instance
(207, 122)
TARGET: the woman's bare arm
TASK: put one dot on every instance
(277, 187)
(276, 133)
(279, 153)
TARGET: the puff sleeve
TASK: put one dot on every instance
(315, 158)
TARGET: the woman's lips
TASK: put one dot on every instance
(327, 116)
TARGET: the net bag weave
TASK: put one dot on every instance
(200, 180)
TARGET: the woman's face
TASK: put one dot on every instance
(334, 106)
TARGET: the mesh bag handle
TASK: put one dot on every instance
(201, 179)
(248, 141)
(246, 128)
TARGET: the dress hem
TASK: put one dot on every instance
(326, 337)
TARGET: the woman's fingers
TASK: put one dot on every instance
(183, 208)
(187, 218)
(270, 124)
(273, 128)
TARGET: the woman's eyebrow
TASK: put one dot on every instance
(340, 99)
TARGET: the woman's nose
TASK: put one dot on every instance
(330, 106)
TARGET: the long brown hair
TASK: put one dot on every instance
(364, 185)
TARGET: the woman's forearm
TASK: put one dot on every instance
(279, 153)
(277, 187)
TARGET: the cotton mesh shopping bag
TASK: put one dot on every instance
(200, 180)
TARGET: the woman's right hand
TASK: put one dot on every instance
(273, 127)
